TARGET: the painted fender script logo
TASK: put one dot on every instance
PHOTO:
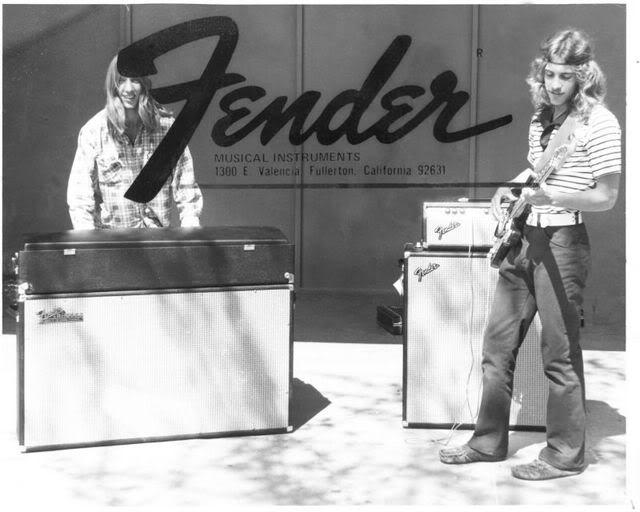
(57, 315)
(239, 120)
(421, 272)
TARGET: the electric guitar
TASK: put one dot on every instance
(508, 232)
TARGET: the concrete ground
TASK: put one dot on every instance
(348, 448)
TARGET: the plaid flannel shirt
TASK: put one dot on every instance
(105, 166)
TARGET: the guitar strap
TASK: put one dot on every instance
(564, 135)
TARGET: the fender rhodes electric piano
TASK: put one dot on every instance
(145, 335)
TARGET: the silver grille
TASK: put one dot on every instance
(155, 365)
(447, 310)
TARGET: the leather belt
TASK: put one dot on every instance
(542, 220)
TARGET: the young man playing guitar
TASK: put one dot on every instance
(546, 270)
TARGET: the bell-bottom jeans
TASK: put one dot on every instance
(545, 274)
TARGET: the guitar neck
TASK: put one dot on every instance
(518, 207)
(556, 161)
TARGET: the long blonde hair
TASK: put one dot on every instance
(569, 47)
(149, 110)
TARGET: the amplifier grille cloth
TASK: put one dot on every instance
(447, 312)
(170, 364)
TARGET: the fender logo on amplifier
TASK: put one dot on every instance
(57, 315)
(421, 272)
(443, 230)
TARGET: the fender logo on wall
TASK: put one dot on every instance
(137, 60)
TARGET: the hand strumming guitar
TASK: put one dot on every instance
(538, 196)
(505, 194)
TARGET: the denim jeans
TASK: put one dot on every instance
(545, 274)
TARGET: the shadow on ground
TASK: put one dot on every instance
(306, 402)
(603, 421)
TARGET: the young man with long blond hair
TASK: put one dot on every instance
(112, 150)
(546, 272)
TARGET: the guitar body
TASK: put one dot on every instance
(508, 234)
(509, 230)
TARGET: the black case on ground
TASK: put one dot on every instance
(390, 318)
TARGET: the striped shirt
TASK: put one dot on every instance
(104, 168)
(597, 154)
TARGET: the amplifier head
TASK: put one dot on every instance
(458, 224)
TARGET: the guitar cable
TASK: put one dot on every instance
(485, 317)
(470, 326)
(485, 320)
(469, 336)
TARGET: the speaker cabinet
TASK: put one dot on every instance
(448, 297)
(107, 368)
